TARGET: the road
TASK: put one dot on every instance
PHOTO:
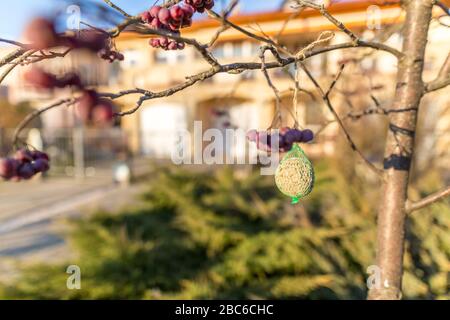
(31, 214)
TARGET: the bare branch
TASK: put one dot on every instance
(320, 7)
(112, 5)
(432, 198)
(443, 7)
(326, 99)
(443, 78)
(36, 114)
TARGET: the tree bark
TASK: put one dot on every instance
(399, 150)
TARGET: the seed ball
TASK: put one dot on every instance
(295, 177)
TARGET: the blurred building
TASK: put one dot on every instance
(245, 100)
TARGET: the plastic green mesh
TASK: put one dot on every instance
(294, 176)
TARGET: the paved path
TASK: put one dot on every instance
(31, 212)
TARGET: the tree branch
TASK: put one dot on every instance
(428, 200)
(326, 99)
(443, 78)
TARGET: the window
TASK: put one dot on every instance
(170, 57)
(133, 58)
(219, 51)
(237, 49)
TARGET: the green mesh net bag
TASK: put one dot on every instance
(294, 176)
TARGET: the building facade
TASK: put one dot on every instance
(245, 100)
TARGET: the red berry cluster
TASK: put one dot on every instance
(42, 35)
(173, 19)
(200, 5)
(286, 137)
(24, 165)
(44, 80)
(92, 108)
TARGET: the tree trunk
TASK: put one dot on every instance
(399, 150)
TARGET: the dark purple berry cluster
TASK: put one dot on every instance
(173, 19)
(110, 55)
(24, 165)
(200, 5)
(285, 137)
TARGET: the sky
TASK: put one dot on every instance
(14, 14)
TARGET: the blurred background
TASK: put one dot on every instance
(140, 227)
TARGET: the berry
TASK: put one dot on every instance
(23, 155)
(41, 79)
(40, 165)
(155, 43)
(41, 33)
(103, 112)
(39, 155)
(177, 13)
(308, 135)
(8, 168)
(26, 171)
(290, 137)
(85, 104)
(188, 10)
(154, 11)
(252, 135)
(146, 17)
(164, 16)
(284, 130)
(93, 40)
(172, 45)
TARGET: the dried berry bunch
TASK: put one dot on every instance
(200, 5)
(24, 165)
(173, 19)
(45, 80)
(92, 108)
(285, 137)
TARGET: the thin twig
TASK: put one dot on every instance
(432, 198)
(326, 99)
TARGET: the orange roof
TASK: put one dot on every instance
(337, 7)
(273, 16)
